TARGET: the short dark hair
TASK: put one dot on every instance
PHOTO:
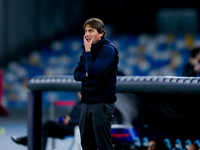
(194, 51)
(97, 24)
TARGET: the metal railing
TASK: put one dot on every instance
(127, 84)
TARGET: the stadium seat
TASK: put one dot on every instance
(197, 141)
(122, 136)
(187, 143)
(74, 139)
(145, 141)
(167, 142)
(178, 145)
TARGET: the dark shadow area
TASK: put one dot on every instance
(167, 115)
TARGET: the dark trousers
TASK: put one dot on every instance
(95, 126)
(55, 129)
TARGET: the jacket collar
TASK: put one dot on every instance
(98, 43)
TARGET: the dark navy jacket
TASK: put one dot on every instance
(101, 66)
(75, 114)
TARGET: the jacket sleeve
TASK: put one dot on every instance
(75, 114)
(80, 72)
(101, 63)
(188, 70)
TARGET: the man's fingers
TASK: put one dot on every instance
(84, 38)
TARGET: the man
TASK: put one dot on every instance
(193, 147)
(157, 144)
(57, 129)
(97, 70)
(192, 67)
(3, 111)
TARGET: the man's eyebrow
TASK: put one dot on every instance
(88, 29)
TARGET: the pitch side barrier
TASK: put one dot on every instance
(125, 84)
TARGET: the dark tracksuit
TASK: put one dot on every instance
(98, 94)
(60, 130)
(57, 129)
(188, 70)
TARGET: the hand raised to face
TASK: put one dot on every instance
(91, 36)
(88, 41)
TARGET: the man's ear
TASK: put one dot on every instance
(101, 34)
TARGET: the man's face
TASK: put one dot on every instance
(92, 33)
(191, 147)
(198, 57)
(152, 145)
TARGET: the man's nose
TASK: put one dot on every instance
(87, 33)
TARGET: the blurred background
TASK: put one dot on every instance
(44, 37)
